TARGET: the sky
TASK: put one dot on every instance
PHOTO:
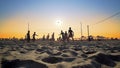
(43, 15)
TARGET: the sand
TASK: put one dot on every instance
(53, 54)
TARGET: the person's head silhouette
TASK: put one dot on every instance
(69, 28)
(28, 31)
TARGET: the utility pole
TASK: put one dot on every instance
(81, 30)
(28, 26)
(88, 31)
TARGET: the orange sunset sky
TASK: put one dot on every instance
(43, 17)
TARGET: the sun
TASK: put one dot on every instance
(59, 22)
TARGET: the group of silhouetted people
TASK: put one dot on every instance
(48, 37)
(33, 36)
(67, 35)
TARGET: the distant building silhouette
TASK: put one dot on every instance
(99, 38)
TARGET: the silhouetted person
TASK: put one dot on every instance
(70, 34)
(63, 35)
(90, 38)
(53, 38)
(34, 36)
(28, 36)
(66, 36)
(43, 37)
(59, 39)
(48, 36)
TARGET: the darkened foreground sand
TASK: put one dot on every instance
(48, 54)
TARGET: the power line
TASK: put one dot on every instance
(108, 18)
(104, 20)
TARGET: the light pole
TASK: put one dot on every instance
(88, 29)
(81, 30)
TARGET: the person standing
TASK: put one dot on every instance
(53, 38)
(66, 36)
(70, 34)
(47, 38)
(28, 36)
(63, 36)
(43, 38)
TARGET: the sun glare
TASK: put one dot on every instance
(59, 22)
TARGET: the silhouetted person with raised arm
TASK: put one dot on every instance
(28, 36)
(34, 34)
(48, 36)
(53, 38)
(63, 35)
(70, 34)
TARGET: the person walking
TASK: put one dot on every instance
(34, 34)
(70, 34)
